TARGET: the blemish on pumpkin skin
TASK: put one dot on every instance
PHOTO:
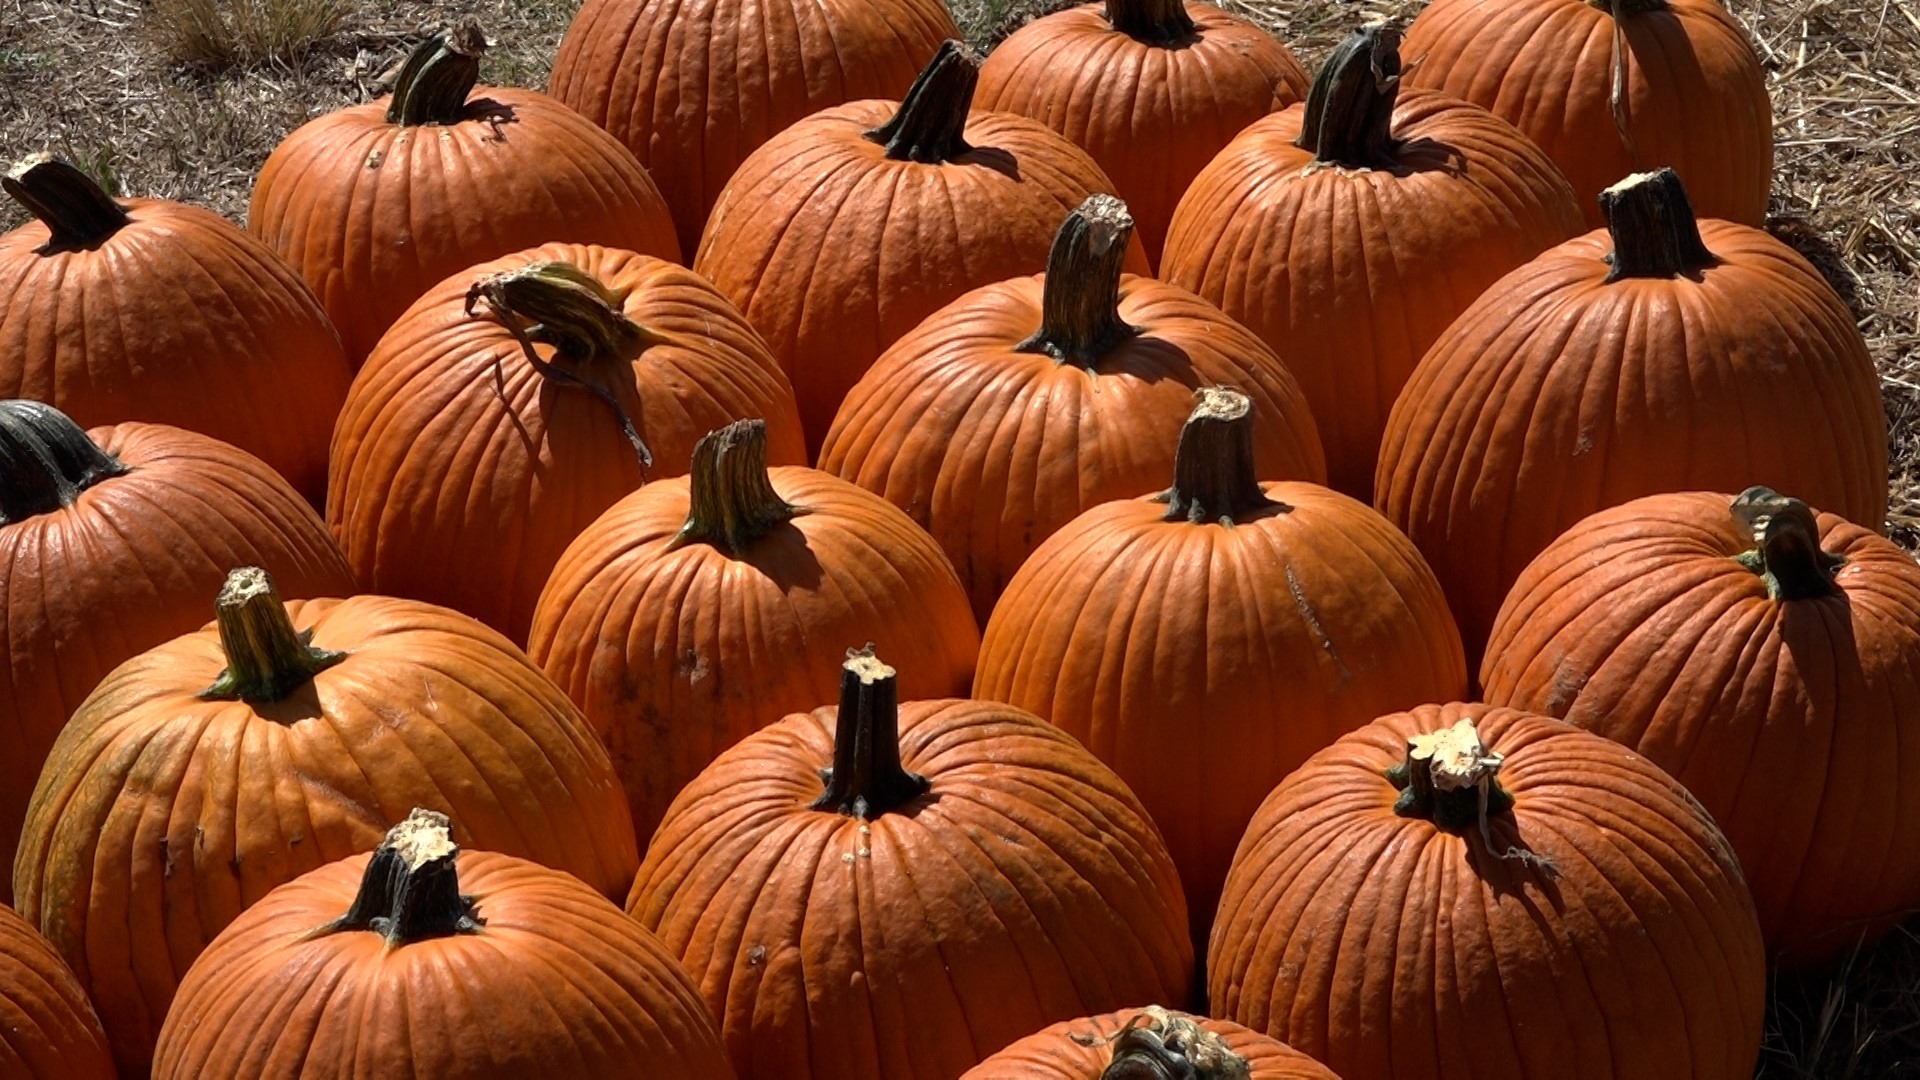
(376, 158)
(756, 956)
(1312, 619)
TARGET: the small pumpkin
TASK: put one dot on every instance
(896, 891)
(1756, 655)
(698, 610)
(1152, 89)
(1021, 404)
(517, 401)
(114, 540)
(48, 1030)
(202, 774)
(1348, 232)
(1470, 891)
(845, 230)
(375, 203)
(1628, 362)
(426, 960)
(1206, 640)
(116, 310)
(1148, 1044)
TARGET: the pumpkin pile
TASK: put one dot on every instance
(740, 568)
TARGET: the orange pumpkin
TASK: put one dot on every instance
(48, 1031)
(1464, 891)
(375, 203)
(1148, 1044)
(1022, 404)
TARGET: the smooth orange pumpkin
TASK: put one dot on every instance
(1148, 1044)
(48, 1030)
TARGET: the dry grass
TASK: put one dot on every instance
(222, 33)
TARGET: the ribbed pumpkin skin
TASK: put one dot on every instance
(1389, 948)
(1152, 116)
(694, 86)
(835, 251)
(1785, 718)
(1349, 275)
(178, 318)
(1695, 97)
(993, 450)
(162, 817)
(1028, 887)
(1060, 1052)
(1557, 395)
(446, 490)
(557, 983)
(135, 562)
(374, 214)
(47, 1028)
(1204, 662)
(676, 655)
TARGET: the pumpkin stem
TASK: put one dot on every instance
(1786, 546)
(1617, 8)
(1214, 479)
(1349, 117)
(1151, 22)
(867, 779)
(931, 123)
(1451, 779)
(46, 461)
(1655, 234)
(77, 213)
(411, 891)
(1157, 1044)
(1080, 308)
(732, 501)
(266, 658)
(433, 84)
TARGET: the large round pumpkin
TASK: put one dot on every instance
(1612, 87)
(896, 891)
(1655, 355)
(142, 309)
(1151, 88)
(845, 230)
(203, 773)
(1206, 640)
(375, 203)
(1148, 1044)
(1768, 659)
(1350, 231)
(1464, 891)
(700, 609)
(1023, 403)
(425, 960)
(517, 401)
(694, 86)
(48, 1030)
(114, 541)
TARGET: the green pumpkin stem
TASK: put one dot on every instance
(1655, 234)
(411, 889)
(46, 461)
(439, 74)
(1151, 22)
(1157, 1044)
(1214, 478)
(1786, 549)
(930, 125)
(266, 658)
(867, 778)
(731, 498)
(1080, 306)
(1349, 110)
(77, 213)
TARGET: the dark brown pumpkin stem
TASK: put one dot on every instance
(1451, 779)
(411, 890)
(433, 84)
(266, 658)
(867, 779)
(1214, 479)
(1158, 1044)
(931, 123)
(1349, 117)
(1655, 234)
(1786, 546)
(1152, 22)
(1618, 8)
(77, 213)
(731, 498)
(1080, 308)
(46, 461)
